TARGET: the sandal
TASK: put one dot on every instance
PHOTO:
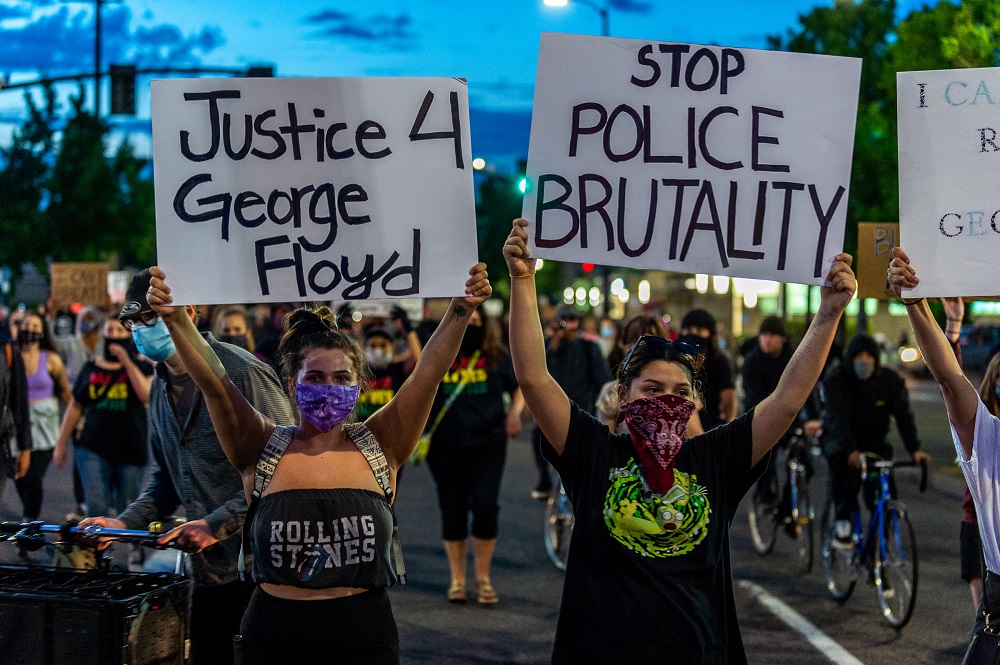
(456, 592)
(485, 594)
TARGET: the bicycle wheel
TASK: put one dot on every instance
(558, 527)
(763, 513)
(801, 526)
(839, 566)
(896, 566)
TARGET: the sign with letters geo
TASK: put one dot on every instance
(949, 161)
(272, 190)
(697, 159)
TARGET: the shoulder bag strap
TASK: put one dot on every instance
(463, 380)
(273, 450)
(372, 450)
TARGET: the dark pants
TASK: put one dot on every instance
(468, 480)
(77, 481)
(970, 548)
(845, 483)
(544, 475)
(353, 630)
(29, 488)
(216, 613)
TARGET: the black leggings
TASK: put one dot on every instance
(468, 480)
(355, 630)
(29, 488)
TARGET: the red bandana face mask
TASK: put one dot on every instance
(657, 425)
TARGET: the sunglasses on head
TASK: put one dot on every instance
(660, 344)
(145, 319)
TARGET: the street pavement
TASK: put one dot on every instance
(520, 628)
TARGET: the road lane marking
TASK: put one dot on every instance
(823, 642)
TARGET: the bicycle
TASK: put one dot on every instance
(786, 503)
(887, 550)
(559, 520)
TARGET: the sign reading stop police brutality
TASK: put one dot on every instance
(949, 161)
(274, 190)
(690, 158)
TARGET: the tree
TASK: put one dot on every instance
(23, 224)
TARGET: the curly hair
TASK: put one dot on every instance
(309, 329)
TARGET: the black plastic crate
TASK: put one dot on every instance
(65, 617)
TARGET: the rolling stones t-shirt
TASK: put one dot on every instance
(648, 578)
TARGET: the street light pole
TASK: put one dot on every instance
(97, 57)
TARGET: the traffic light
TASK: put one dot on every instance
(123, 89)
(260, 71)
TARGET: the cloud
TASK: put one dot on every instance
(633, 6)
(390, 32)
(13, 10)
(58, 39)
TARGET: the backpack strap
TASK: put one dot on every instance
(273, 450)
(372, 450)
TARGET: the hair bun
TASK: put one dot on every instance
(305, 320)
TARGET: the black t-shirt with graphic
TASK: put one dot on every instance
(114, 420)
(382, 387)
(648, 577)
(477, 417)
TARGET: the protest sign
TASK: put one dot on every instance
(84, 283)
(690, 158)
(875, 243)
(949, 159)
(274, 190)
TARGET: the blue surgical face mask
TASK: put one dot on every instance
(154, 341)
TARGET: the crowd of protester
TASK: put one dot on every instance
(161, 408)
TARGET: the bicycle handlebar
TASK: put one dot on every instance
(26, 532)
(879, 463)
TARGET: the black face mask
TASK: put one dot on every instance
(26, 337)
(235, 340)
(473, 340)
(126, 343)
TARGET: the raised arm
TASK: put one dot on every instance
(544, 398)
(775, 414)
(960, 397)
(399, 423)
(241, 429)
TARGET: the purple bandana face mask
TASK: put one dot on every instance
(325, 407)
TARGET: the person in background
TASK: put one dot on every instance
(860, 398)
(231, 325)
(388, 367)
(47, 387)
(468, 451)
(609, 335)
(111, 451)
(15, 414)
(648, 578)
(581, 371)
(77, 350)
(190, 469)
(715, 373)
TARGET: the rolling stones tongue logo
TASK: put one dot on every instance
(657, 425)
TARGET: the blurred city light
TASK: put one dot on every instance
(623, 295)
(568, 295)
(523, 185)
(539, 263)
(643, 293)
(556, 3)
(701, 283)
(617, 285)
(479, 164)
(720, 284)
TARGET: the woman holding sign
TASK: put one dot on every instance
(648, 575)
(976, 433)
(320, 523)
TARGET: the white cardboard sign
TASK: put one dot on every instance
(271, 190)
(949, 160)
(690, 158)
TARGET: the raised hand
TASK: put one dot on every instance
(515, 250)
(158, 296)
(477, 288)
(901, 275)
(842, 285)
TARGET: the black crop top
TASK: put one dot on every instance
(323, 538)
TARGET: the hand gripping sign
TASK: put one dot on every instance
(696, 159)
(272, 190)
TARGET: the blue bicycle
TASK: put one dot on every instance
(887, 550)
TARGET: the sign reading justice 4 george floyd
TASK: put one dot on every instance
(690, 158)
(949, 160)
(273, 190)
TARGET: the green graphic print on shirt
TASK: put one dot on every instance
(656, 525)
